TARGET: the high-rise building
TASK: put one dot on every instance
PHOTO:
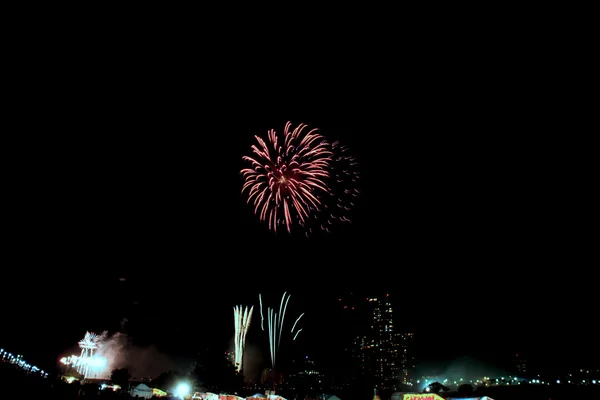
(407, 357)
(384, 341)
(383, 352)
(520, 364)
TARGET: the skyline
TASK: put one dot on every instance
(176, 338)
(454, 212)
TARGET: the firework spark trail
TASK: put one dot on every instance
(242, 319)
(340, 201)
(275, 323)
(84, 363)
(294, 327)
(282, 317)
(88, 345)
(297, 333)
(285, 182)
(262, 318)
(271, 343)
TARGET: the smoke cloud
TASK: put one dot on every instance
(253, 359)
(464, 367)
(142, 362)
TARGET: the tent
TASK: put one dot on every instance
(334, 397)
(421, 396)
(470, 398)
(256, 396)
(143, 391)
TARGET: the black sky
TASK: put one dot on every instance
(469, 210)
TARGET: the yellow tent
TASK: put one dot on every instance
(425, 396)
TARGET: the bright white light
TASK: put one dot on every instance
(183, 389)
(97, 362)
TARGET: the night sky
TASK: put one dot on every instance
(463, 219)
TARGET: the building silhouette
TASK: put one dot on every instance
(383, 352)
(407, 357)
(520, 365)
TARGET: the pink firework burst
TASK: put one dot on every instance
(288, 176)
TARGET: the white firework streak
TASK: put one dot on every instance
(88, 345)
(294, 327)
(297, 333)
(242, 318)
(282, 317)
(262, 318)
(271, 343)
(275, 323)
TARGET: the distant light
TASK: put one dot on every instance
(558, 381)
(183, 389)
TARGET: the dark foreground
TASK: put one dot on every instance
(16, 384)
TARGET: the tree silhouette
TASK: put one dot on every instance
(465, 389)
(166, 381)
(213, 372)
(120, 377)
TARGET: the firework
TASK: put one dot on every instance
(288, 175)
(300, 178)
(295, 323)
(341, 200)
(87, 360)
(242, 318)
(297, 333)
(85, 364)
(262, 317)
(275, 322)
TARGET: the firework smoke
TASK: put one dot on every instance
(253, 362)
(242, 318)
(291, 178)
(275, 322)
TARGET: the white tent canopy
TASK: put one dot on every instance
(142, 390)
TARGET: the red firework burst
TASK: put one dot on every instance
(288, 175)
